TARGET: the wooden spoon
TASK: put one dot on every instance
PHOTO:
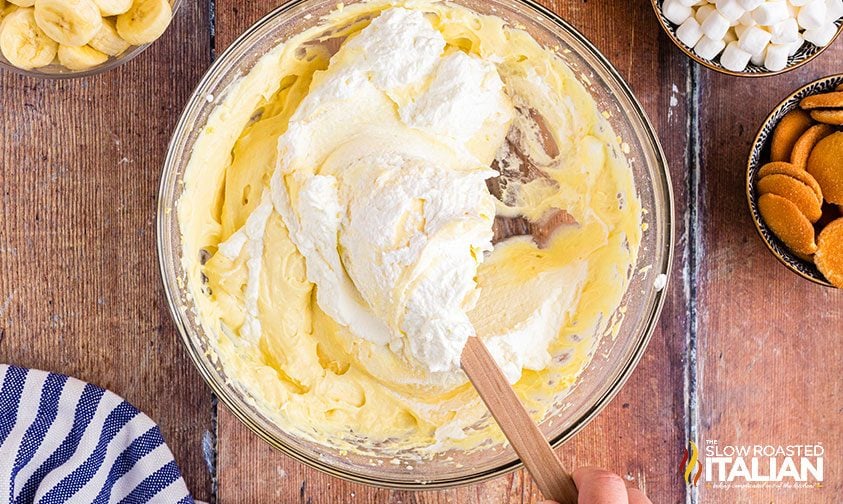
(523, 434)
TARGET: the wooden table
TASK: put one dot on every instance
(746, 352)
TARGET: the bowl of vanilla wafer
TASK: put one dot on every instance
(794, 182)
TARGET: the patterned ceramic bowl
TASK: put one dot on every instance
(805, 53)
(760, 155)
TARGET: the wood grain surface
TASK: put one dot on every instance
(79, 287)
(769, 342)
(745, 350)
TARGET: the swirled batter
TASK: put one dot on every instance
(383, 186)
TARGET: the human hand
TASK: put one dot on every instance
(598, 486)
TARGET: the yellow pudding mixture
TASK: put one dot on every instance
(382, 186)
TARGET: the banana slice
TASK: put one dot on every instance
(6, 9)
(80, 58)
(68, 22)
(23, 43)
(107, 40)
(113, 7)
(145, 21)
(23, 3)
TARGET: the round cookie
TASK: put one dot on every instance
(826, 165)
(787, 222)
(787, 132)
(806, 258)
(833, 99)
(795, 191)
(780, 167)
(829, 255)
(805, 144)
(828, 116)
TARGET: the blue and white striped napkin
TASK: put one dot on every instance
(64, 440)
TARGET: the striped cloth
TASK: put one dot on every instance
(64, 440)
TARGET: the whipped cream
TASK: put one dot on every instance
(337, 226)
(382, 193)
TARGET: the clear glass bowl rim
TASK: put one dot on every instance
(243, 411)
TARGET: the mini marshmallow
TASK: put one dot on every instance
(746, 19)
(749, 5)
(703, 12)
(795, 45)
(675, 12)
(715, 26)
(776, 57)
(821, 36)
(757, 59)
(754, 39)
(730, 9)
(771, 12)
(709, 48)
(734, 58)
(834, 9)
(689, 32)
(784, 32)
(812, 15)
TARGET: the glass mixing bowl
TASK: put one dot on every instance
(614, 358)
(57, 71)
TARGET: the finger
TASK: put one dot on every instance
(636, 496)
(598, 486)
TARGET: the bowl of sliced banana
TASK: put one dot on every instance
(76, 38)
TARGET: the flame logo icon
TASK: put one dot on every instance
(687, 466)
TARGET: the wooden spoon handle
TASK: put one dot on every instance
(523, 434)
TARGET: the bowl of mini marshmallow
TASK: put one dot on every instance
(751, 38)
